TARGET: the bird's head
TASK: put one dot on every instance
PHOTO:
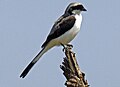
(75, 8)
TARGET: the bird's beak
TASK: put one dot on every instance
(84, 9)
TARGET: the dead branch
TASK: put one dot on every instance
(75, 77)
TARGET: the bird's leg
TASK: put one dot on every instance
(63, 47)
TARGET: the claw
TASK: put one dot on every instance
(70, 46)
(67, 46)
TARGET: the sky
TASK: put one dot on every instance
(24, 26)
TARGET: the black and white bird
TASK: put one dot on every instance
(63, 31)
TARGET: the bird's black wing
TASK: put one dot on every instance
(63, 24)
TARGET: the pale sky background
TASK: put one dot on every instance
(24, 26)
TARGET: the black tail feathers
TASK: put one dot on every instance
(27, 69)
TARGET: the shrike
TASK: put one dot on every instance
(63, 31)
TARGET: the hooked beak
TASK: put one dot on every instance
(84, 9)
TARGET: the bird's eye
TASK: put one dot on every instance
(70, 10)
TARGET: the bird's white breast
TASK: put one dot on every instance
(70, 34)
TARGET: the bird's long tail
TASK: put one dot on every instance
(27, 69)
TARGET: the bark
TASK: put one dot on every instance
(71, 70)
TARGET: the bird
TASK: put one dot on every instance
(63, 32)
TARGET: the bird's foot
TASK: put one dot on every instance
(67, 46)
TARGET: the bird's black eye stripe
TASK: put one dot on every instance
(77, 7)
